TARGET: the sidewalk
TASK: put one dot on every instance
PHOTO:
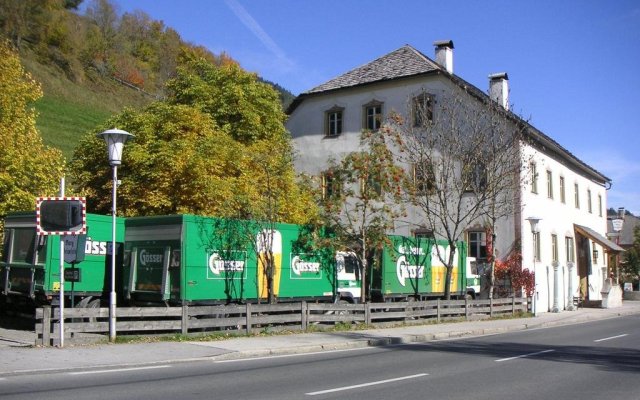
(23, 360)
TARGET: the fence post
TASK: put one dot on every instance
(438, 312)
(185, 319)
(466, 308)
(367, 314)
(46, 325)
(491, 307)
(248, 318)
(513, 305)
(304, 312)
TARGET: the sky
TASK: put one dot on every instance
(573, 66)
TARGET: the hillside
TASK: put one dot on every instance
(94, 65)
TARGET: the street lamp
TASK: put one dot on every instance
(115, 139)
(534, 229)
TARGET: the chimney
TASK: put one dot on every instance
(499, 89)
(444, 54)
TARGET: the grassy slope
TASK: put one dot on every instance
(72, 109)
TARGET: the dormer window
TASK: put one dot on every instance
(333, 121)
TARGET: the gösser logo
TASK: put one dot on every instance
(146, 257)
(95, 247)
(298, 266)
(405, 271)
(217, 265)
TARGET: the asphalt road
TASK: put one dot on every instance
(596, 360)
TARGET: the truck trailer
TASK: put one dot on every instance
(30, 264)
(189, 259)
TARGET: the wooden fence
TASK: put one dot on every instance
(251, 318)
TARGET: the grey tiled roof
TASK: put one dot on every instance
(406, 61)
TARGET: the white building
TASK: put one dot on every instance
(567, 195)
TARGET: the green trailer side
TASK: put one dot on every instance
(410, 269)
(30, 265)
(202, 260)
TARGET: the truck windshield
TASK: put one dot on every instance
(22, 245)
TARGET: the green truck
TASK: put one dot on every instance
(188, 259)
(30, 264)
(410, 269)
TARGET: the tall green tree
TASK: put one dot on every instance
(28, 168)
(630, 268)
(238, 102)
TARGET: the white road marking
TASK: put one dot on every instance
(107, 371)
(340, 389)
(291, 355)
(525, 355)
(611, 337)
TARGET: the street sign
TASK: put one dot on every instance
(617, 224)
(74, 248)
(72, 275)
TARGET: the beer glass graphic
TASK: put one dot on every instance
(265, 239)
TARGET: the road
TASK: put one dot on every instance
(596, 360)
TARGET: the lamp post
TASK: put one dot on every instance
(115, 139)
(534, 229)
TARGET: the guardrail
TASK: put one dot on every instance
(252, 318)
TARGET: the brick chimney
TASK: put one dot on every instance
(499, 89)
(444, 54)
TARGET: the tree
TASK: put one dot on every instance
(630, 268)
(28, 168)
(238, 102)
(464, 154)
(361, 198)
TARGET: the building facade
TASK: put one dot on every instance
(568, 245)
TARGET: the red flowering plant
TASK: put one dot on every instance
(515, 278)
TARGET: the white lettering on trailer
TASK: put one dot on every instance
(217, 265)
(411, 250)
(406, 271)
(151, 258)
(95, 247)
(298, 266)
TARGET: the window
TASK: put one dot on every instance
(422, 109)
(563, 198)
(594, 252)
(549, 185)
(424, 179)
(554, 248)
(333, 121)
(576, 190)
(476, 178)
(600, 205)
(568, 244)
(589, 201)
(330, 185)
(478, 245)
(534, 178)
(536, 246)
(372, 116)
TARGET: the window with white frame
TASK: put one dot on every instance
(576, 194)
(569, 248)
(536, 246)
(549, 184)
(424, 179)
(478, 245)
(554, 247)
(422, 109)
(372, 116)
(333, 121)
(563, 198)
(534, 177)
(589, 208)
(600, 205)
